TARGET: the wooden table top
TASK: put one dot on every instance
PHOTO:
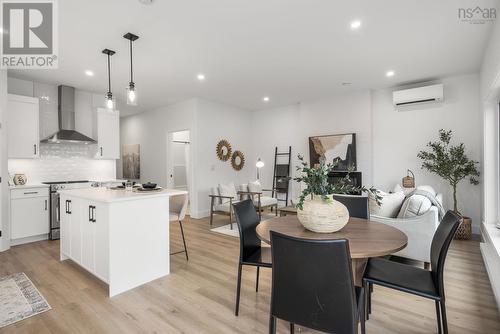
(366, 238)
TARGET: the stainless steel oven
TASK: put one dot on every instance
(55, 213)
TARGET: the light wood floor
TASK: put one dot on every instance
(198, 297)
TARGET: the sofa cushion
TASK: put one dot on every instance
(255, 186)
(223, 207)
(415, 205)
(265, 201)
(227, 190)
(391, 203)
(427, 188)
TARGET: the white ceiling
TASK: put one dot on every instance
(290, 50)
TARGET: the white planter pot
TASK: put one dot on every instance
(323, 216)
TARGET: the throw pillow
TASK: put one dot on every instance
(413, 206)
(391, 203)
(427, 188)
(227, 190)
(255, 186)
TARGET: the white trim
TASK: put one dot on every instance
(490, 250)
(27, 240)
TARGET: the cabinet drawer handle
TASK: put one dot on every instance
(101, 151)
(34, 147)
(69, 207)
(31, 192)
(90, 213)
(45, 205)
(93, 214)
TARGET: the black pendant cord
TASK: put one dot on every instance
(109, 74)
(131, 65)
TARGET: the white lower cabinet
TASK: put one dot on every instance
(29, 215)
(84, 235)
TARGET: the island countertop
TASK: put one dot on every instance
(111, 195)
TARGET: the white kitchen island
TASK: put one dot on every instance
(121, 237)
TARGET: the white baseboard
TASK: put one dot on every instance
(491, 258)
(200, 214)
(20, 241)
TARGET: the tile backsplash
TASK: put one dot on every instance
(63, 162)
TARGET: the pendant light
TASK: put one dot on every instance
(131, 91)
(110, 104)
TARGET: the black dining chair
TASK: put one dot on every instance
(357, 205)
(417, 281)
(313, 286)
(251, 252)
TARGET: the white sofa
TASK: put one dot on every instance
(420, 231)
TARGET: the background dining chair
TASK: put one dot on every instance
(418, 281)
(357, 205)
(251, 252)
(178, 207)
(312, 285)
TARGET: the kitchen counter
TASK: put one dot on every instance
(121, 237)
(30, 185)
(110, 195)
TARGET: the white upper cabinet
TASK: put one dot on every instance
(47, 96)
(108, 134)
(23, 138)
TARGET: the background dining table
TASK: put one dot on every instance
(366, 238)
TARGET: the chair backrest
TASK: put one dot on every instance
(357, 205)
(178, 205)
(247, 220)
(439, 247)
(312, 283)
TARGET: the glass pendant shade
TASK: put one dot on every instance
(110, 103)
(131, 95)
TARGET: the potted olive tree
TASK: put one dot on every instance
(317, 210)
(452, 164)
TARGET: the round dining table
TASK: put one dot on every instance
(366, 238)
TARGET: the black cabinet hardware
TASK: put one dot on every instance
(45, 205)
(31, 192)
(34, 148)
(90, 213)
(101, 151)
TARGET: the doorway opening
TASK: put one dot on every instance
(179, 164)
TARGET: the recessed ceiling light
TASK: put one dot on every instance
(89, 73)
(356, 24)
(389, 73)
(266, 99)
(346, 83)
(200, 77)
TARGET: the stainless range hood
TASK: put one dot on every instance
(66, 110)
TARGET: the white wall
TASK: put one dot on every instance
(216, 121)
(490, 97)
(399, 136)
(387, 141)
(208, 122)
(293, 125)
(4, 223)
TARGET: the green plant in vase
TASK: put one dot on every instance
(452, 164)
(318, 211)
(317, 184)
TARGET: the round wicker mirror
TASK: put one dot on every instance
(224, 150)
(238, 160)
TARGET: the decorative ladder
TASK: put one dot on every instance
(281, 176)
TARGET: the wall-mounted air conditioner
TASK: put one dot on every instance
(426, 94)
